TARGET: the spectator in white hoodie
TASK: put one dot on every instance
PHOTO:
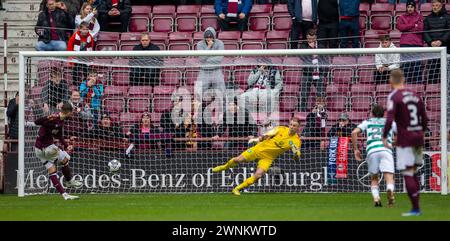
(385, 63)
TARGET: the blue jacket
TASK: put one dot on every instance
(295, 9)
(221, 6)
(98, 93)
(349, 8)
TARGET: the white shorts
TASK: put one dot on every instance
(409, 157)
(49, 154)
(381, 161)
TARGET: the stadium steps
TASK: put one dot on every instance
(21, 16)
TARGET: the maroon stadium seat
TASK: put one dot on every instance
(120, 78)
(336, 102)
(128, 46)
(162, 24)
(382, 8)
(261, 9)
(139, 105)
(418, 88)
(292, 63)
(171, 77)
(364, 9)
(179, 41)
(282, 22)
(426, 9)
(358, 117)
(141, 11)
(241, 77)
(163, 90)
(338, 89)
(230, 35)
(188, 10)
(161, 103)
(433, 104)
(280, 9)
(208, 21)
(139, 24)
(342, 75)
(363, 22)
(129, 119)
(288, 104)
(381, 22)
(360, 89)
(130, 39)
(207, 10)
(291, 76)
(259, 23)
(361, 102)
(291, 89)
(164, 10)
(433, 89)
(253, 40)
(101, 46)
(191, 76)
(112, 37)
(114, 104)
(115, 91)
(186, 24)
(383, 89)
(140, 91)
(277, 39)
(395, 35)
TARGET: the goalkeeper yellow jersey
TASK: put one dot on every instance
(279, 143)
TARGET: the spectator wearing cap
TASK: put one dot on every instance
(264, 87)
(210, 75)
(229, 11)
(343, 128)
(411, 26)
(145, 76)
(144, 134)
(436, 34)
(107, 129)
(385, 63)
(304, 18)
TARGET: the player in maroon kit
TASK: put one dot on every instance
(406, 108)
(50, 154)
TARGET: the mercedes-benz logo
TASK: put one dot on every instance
(363, 175)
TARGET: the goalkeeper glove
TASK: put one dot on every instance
(253, 140)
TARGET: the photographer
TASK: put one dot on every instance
(315, 126)
(54, 27)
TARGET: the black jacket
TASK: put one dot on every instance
(328, 11)
(345, 131)
(63, 21)
(145, 76)
(435, 22)
(114, 131)
(13, 113)
(124, 7)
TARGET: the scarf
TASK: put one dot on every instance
(232, 8)
(82, 45)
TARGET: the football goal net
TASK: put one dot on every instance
(169, 117)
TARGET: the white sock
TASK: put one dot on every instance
(375, 192)
(390, 187)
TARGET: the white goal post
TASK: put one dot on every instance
(437, 53)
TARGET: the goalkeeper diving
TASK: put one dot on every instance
(272, 144)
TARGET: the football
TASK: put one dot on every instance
(114, 165)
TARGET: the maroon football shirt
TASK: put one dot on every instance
(406, 108)
(51, 128)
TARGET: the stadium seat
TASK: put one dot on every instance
(162, 24)
(171, 77)
(433, 104)
(280, 9)
(139, 24)
(115, 91)
(395, 35)
(433, 89)
(128, 46)
(190, 76)
(100, 46)
(161, 103)
(188, 10)
(253, 40)
(374, 35)
(382, 8)
(259, 23)
(277, 39)
(282, 22)
(358, 116)
(141, 11)
(288, 104)
(140, 91)
(230, 35)
(337, 89)
(129, 119)
(110, 37)
(113, 104)
(383, 89)
(208, 21)
(163, 90)
(381, 22)
(292, 63)
(186, 24)
(292, 76)
(342, 75)
(426, 9)
(336, 102)
(291, 89)
(418, 88)
(241, 77)
(363, 22)
(164, 10)
(138, 105)
(361, 103)
(362, 89)
(364, 9)
(179, 41)
(120, 78)
(400, 9)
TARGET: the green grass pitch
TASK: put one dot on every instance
(217, 207)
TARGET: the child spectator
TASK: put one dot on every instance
(91, 93)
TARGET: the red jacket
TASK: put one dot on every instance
(411, 26)
(77, 41)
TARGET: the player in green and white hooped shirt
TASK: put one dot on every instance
(379, 158)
